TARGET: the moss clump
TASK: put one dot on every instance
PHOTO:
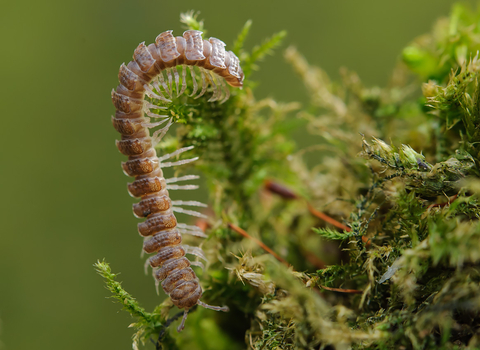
(393, 259)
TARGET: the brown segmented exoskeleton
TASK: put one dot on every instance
(152, 73)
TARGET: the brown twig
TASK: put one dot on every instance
(327, 218)
(259, 242)
(340, 290)
(450, 200)
(335, 223)
(280, 190)
(286, 193)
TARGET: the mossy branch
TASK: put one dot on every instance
(442, 178)
(148, 324)
(242, 36)
(260, 51)
(332, 234)
(129, 303)
(404, 272)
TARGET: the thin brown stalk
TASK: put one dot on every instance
(450, 200)
(340, 290)
(259, 242)
(327, 218)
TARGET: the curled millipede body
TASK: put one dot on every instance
(152, 73)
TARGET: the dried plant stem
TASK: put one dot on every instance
(450, 200)
(340, 290)
(327, 218)
(259, 242)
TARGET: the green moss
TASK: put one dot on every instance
(406, 272)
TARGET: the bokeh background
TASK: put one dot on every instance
(64, 200)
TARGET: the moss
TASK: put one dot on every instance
(393, 259)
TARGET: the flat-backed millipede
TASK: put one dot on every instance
(152, 73)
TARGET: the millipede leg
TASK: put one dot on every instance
(150, 93)
(184, 81)
(189, 212)
(192, 203)
(170, 84)
(177, 79)
(160, 133)
(148, 105)
(219, 86)
(161, 79)
(182, 187)
(193, 233)
(150, 125)
(157, 285)
(157, 87)
(168, 323)
(176, 153)
(177, 163)
(194, 80)
(147, 264)
(198, 263)
(182, 324)
(216, 308)
(214, 85)
(147, 111)
(204, 83)
(227, 92)
(190, 228)
(153, 125)
(195, 251)
(181, 178)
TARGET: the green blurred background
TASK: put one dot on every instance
(65, 203)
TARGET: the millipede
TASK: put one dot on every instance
(150, 78)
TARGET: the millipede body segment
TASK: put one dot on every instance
(152, 73)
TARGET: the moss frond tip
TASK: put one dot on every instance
(242, 36)
(333, 234)
(190, 21)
